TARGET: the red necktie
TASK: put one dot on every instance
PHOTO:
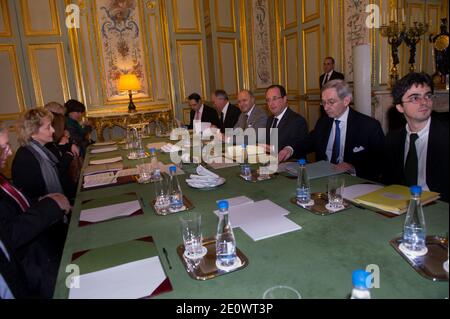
(14, 194)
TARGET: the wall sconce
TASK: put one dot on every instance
(130, 83)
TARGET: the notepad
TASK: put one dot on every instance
(104, 149)
(393, 198)
(101, 168)
(127, 270)
(106, 160)
(314, 170)
(98, 214)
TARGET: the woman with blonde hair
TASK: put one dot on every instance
(35, 169)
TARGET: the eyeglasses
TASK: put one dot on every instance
(417, 99)
(273, 99)
(329, 102)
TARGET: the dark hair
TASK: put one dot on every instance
(406, 82)
(221, 93)
(58, 124)
(330, 58)
(74, 106)
(194, 96)
(279, 87)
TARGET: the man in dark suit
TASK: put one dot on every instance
(291, 126)
(349, 139)
(418, 153)
(201, 112)
(329, 72)
(328, 75)
(228, 113)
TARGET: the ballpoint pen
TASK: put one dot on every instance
(167, 258)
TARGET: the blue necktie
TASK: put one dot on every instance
(336, 144)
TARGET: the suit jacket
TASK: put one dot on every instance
(334, 76)
(208, 115)
(27, 176)
(30, 236)
(231, 118)
(363, 148)
(292, 130)
(257, 119)
(437, 157)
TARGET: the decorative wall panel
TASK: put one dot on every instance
(291, 63)
(119, 28)
(186, 16)
(310, 10)
(225, 16)
(228, 66)
(5, 22)
(191, 67)
(312, 61)
(40, 17)
(11, 85)
(289, 14)
(262, 56)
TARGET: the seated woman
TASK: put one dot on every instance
(80, 135)
(66, 153)
(35, 169)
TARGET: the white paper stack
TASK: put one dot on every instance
(104, 143)
(99, 179)
(261, 219)
(104, 149)
(106, 160)
(170, 148)
(204, 179)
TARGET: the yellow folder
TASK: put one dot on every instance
(393, 198)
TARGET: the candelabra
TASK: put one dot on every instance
(397, 32)
(411, 37)
(394, 33)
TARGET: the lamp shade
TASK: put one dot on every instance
(129, 82)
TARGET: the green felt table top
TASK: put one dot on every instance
(318, 260)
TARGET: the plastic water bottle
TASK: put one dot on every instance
(175, 193)
(303, 189)
(225, 241)
(361, 284)
(414, 231)
(245, 166)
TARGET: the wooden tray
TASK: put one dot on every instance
(187, 203)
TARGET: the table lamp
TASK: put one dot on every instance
(130, 83)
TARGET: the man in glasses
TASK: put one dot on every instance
(291, 126)
(350, 140)
(417, 154)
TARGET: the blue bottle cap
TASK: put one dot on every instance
(302, 161)
(172, 169)
(416, 190)
(244, 145)
(152, 150)
(223, 204)
(360, 279)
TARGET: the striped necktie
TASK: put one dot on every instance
(14, 193)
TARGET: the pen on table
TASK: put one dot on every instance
(167, 258)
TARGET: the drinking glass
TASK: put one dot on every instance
(281, 292)
(192, 234)
(335, 189)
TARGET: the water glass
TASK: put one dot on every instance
(145, 172)
(335, 189)
(281, 292)
(192, 234)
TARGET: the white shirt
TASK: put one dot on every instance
(343, 127)
(327, 76)
(279, 117)
(422, 149)
(224, 110)
(200, 110)
(5, 292)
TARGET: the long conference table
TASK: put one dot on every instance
(317, 260)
